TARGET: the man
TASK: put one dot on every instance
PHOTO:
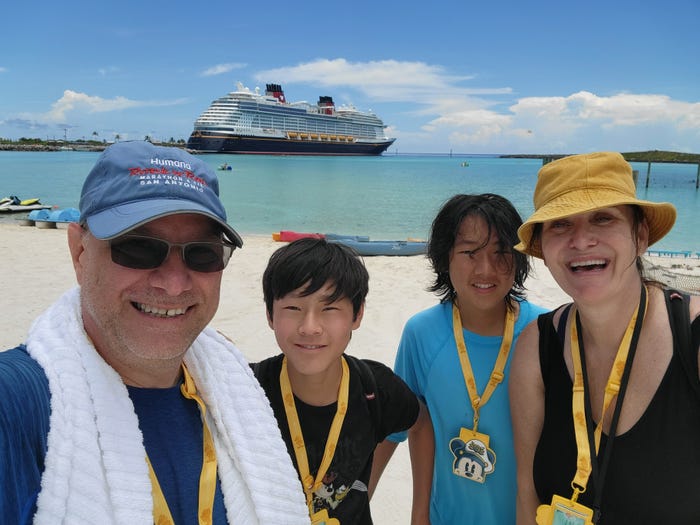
(123, 407)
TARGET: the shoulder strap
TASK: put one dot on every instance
(545, 325)
(677, 304)
(369, 390)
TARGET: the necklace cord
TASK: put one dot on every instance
(587, 439)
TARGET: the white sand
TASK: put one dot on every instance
(36, 270)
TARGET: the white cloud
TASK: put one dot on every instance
(382, 80)
(74, 102)
(3, 69)
(220, 69)
(624, 109)
(104, 71)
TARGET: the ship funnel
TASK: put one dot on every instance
(326, 105)
(275, 90)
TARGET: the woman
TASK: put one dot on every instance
(466, 339)
(642, 463)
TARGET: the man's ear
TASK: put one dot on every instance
(269, 318)
(76, 244)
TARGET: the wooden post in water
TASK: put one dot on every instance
(648, 173)
(697, 178)
(635, 177)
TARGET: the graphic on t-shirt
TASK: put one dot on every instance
(332, 492)
(473, 459)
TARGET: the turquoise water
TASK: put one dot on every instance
(389, 197)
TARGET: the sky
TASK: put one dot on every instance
(461, 76)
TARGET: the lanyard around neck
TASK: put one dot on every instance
(614, 387)
(496, 374)
(207, 478)
(309, 483)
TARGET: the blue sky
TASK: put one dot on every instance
(459, 75)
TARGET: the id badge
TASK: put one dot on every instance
(321, 518)
(473, 459)
(563, 511)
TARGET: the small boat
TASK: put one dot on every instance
(34, 215)
(338, 236)
(64, 216)
(371, 248)
(225, 167)
(289, 236)
(60, 217)
(13, 204)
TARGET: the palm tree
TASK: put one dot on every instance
(117, 137)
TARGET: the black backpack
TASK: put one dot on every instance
(677, 304)
(369, 389)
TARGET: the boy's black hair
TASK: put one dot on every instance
(311, 263)
(502, 220)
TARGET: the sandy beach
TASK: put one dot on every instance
(37, 270)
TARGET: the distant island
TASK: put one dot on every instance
(634, 156)
(25, 144)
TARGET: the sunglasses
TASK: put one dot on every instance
(146, 253)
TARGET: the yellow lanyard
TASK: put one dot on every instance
(207, 478)
(498, 367)
(612, 388)
(309, 483)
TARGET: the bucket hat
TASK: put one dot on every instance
(135, 182)
(583, 183)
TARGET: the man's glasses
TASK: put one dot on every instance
(146, 253)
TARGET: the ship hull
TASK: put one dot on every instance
(281, 146)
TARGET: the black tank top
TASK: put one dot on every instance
(654, 472)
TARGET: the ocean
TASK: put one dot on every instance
(387, 197)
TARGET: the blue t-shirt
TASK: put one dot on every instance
(24, 426)
(171, 427)
(427, 360)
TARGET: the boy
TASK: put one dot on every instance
(332, 409)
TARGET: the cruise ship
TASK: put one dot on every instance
(248, 122)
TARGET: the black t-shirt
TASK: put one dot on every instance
(654, 471)
(344, 490)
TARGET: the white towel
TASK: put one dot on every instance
(95, 465)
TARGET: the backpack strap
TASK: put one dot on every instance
(685, 337)
(369, 390)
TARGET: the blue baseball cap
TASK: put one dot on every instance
(135, 182)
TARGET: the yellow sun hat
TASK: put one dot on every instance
(583, 183)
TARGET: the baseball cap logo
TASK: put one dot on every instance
(174, 163)
(168, 176)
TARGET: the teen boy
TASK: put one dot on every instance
(332, 408)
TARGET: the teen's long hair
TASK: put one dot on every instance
(502, 220)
